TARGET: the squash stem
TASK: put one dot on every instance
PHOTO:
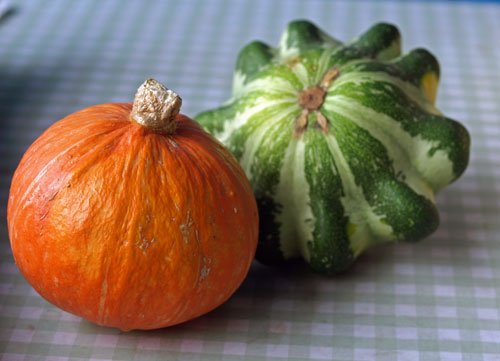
(311, 99)
(156, 107)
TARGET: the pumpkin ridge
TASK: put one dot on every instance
(191, 154)
(141, 230)
(102, 298)
(87, 167)
(32, 192)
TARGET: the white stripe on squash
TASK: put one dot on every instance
(284, 50)
(323, 63)
(365, 224)
(296, 218)
(239, 80)
(411, 91)
(302, 74)
(254, 141)
(241, 118)
(388, 132)
(272, 84)
(308, 78)
(425, 174)
(390, 52)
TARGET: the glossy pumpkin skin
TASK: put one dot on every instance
(342, 143)
(129, 228)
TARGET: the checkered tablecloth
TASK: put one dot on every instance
(434, 300)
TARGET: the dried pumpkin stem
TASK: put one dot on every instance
(156, 107)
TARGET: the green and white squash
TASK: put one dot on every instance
(342, 143)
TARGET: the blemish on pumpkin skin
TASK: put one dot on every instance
(186, 227)
(205, 269)
(172, 144)
(145, 243)
(204, 272)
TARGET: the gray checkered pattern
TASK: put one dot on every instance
(435, 300)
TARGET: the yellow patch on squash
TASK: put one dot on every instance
(429, 85)
(351, 229)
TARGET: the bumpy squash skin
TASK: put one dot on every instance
(128, 228)
(342, 143)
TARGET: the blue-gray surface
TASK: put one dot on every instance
(435, 300)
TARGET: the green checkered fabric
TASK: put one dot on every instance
(435, 300)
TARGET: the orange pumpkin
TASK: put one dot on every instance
(132, 216)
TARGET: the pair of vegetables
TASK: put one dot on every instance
(132, 216)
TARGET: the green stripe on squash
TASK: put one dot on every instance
(342, 143)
